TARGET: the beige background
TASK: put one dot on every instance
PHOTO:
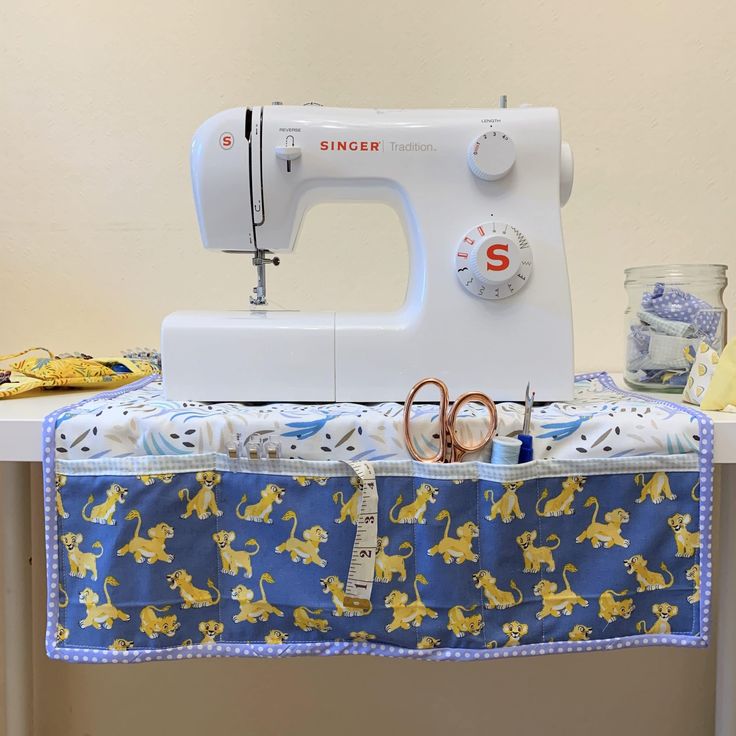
(98, 101)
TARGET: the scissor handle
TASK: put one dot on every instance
(458, 448)
(444, 403)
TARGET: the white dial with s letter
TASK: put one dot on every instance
(494, 260)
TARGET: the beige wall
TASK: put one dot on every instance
(98, 101)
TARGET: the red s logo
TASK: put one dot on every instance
(497, 261)
(226, 141)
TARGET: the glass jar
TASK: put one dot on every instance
(671, 310)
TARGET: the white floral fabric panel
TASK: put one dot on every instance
(602, 421)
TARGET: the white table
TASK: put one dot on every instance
(20, 446)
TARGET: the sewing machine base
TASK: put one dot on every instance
(273, 356)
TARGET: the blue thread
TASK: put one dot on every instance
(505, 451)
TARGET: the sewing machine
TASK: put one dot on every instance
(478, 192)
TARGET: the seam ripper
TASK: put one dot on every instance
(526, 453)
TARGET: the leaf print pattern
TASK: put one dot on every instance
(602, 421)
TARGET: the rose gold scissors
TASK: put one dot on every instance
(451, 449)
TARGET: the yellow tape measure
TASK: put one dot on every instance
(362, 568)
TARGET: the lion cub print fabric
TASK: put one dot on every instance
(160, 545)
(226, 561)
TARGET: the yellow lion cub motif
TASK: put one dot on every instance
(62, 633)
(192, 597)
(250, 610)
(276, 636)
(693, 574)
(305, 622)
(349, 508)
(687, 542)
(361, 637)
(204, 501)
(458, 549)
(149, 480)
(152, 549)
(413, 513)
(580, 632)
(606, 534)
(60, 483)
(507, 506)
(334, 587)
(495, 597)
(460, 624)
(562, 503)
(515, 631)
(407, 614)
(80, 562)
(305, 480)
(554, 603)
(304, 550)
(103, 512)
(261, 510)
(657, 488)
(535, 557)
(120, 645)
(100, 615)
(664, 612)
(647, 579)
(387, 565)
(428, 642)
(210, 630)
(609, 609)
(152, 625)
(233, 559)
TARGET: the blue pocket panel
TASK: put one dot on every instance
(210, 560)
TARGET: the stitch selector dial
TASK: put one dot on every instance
(494, 260)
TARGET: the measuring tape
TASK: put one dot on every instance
(362, 568)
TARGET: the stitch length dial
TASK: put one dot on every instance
(491, 155)
(494, 260)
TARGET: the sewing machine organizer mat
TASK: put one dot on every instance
(480, 561)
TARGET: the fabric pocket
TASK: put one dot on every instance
(208, 556)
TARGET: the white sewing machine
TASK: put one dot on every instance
(479, 193)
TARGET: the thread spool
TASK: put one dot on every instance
(505, 451)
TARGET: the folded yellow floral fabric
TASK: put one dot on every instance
(31, 374)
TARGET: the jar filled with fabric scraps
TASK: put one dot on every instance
(671, 310)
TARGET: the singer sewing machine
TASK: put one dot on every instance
(479, 193)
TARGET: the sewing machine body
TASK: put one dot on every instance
(458, 179)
